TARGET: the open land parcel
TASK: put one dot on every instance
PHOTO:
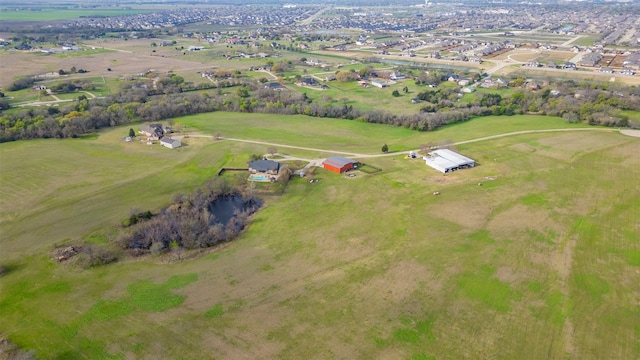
(540, 261)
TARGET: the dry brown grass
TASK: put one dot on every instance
(126, 59)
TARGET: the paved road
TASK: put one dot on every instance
(311, 18)
(365, 156)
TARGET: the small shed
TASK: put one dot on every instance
(338, 164)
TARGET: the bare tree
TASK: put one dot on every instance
(424, 148)
(272, 150)
(445, 144)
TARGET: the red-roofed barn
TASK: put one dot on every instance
(338, 164)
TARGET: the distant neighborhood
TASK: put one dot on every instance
(591, 37)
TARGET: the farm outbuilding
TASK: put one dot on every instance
(338, 164)
(170, 143)
(445, 160)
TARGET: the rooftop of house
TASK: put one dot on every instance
(264, 165)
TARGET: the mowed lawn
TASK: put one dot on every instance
(542, 260)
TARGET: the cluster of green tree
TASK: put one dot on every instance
(593, 103)
(73, 70)
(137, 216)
(189, 222)
(21, 83)
(71, 86)
(4, 104)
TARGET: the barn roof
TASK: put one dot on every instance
(264, 165)
(338, 161)
(444, 160)
(452, 156)
(168, 140)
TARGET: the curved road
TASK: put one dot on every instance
(362, 156)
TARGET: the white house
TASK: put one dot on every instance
(379, 83)
(170, 143)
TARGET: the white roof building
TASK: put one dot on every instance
(445, 160)
(170, 143)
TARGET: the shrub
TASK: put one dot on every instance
(96, 255)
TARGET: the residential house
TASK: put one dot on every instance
(307, 82)
(626, 71)
(532, 63)
(396, 76)
(275, 86)
(152, 131)
(264, 170)
(314, 62)
(591, 59)
(632, 61)
(264, 166)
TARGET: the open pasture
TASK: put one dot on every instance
(540, 261)
(106, 55)
(356, 136)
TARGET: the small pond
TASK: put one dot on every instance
(224, 207)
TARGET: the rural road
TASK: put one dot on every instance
(364, 156)
(56, 100)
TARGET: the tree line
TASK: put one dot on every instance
(594, 103)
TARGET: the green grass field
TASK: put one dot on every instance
(83, 52)
(357, 136)
(541, 261)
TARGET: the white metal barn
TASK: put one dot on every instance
(445, 160)
(170, 143)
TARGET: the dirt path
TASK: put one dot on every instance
(629, 132)
(40, 103)
(283, 146)
(273, 77)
